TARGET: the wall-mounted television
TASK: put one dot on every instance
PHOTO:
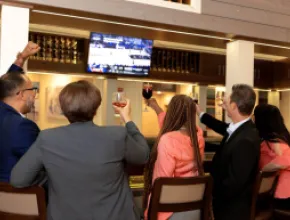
(115, 54)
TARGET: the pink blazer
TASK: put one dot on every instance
(175, 157)
(282, 158)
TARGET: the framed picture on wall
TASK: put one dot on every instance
(53, 109)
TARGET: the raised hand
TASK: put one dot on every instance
(124, 112)
(30, 49)
(152, 103)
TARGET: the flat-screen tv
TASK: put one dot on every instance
(116, 54)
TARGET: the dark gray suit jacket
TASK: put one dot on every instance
(85, 168)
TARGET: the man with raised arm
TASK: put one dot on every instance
(17, 96)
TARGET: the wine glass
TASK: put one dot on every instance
(147, 93)
(119, 99)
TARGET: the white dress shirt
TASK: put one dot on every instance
(233, 127)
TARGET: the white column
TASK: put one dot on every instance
(202, 97)
(285, 107)
(240, 64)
(184, 89)
(108, 114)
(14, 34)
(274, 98)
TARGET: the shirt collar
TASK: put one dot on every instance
(232, 127)
(23, 116)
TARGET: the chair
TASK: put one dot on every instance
(22, 204)
(280, 214)
(263, 193)
(180, 195)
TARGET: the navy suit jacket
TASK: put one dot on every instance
(15, 68)
(17, 134)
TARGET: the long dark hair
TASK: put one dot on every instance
(181, 113)
(270, 124)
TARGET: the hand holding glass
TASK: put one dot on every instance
(119, 99)
(147, 93)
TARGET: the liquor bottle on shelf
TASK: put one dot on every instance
(192, 63)
(48, 50)
(74, 47)
(62, 43)
(154, 60)
(68, 56)
(173, 61)
(186, 60)
(74, 44)
(43, 47)
(177, 61)
(169, 61)
(182, 62)
(159, 60)
(164, 60)
(38, 41)
(56, 51)
(79, 57)
(61, 55)
(67, 50)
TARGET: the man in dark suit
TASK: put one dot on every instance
(17, 96)
(235, 163)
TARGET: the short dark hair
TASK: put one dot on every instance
(79, 101)
(9, 83)
(245, 98)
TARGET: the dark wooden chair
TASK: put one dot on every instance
(263, 193)
(280, 214)
(181, 195)
(22, 204)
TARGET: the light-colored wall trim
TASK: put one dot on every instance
(208, 20)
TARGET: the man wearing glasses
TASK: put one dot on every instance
(17, 96)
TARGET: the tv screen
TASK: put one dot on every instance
(110, 53)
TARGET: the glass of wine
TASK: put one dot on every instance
(147, 93)
(119, 99)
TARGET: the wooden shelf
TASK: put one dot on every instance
(47, 66)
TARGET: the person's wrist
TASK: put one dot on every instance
(127, 119)
(22, 56)
(20, 59)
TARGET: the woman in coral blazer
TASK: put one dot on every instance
(179, 148)
(275, 151)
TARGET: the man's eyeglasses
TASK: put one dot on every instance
(34, 89)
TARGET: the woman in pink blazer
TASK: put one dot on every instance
(179, 149)
(275, 151)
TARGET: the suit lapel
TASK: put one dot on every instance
(239, 130)
(226, 135)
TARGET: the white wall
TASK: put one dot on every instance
(274, 98)
(285, 107)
